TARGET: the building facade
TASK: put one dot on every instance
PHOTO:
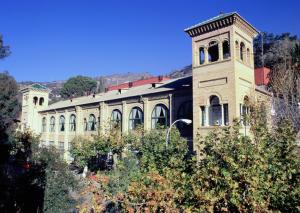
(222, 79)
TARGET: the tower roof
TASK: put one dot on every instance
(220, 21)
(36, 87)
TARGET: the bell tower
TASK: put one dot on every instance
(34, 99)
(223, 70)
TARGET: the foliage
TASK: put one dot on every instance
(59, 183)
(276, 48)
(126, 170)
(83, 149)
(9, 108)
(4, 50)
(49, 173)
(234, 173)
(78, 86)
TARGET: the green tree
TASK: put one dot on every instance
(49, 173)
(9, 109)
(78, 86)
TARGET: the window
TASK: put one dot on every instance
(85, 124)
(248, 56)
(237, 49)
(242, 51)
(226, 116)
(135, 118)
(92, 123)
(185, 111)
(203, 115)
(215, 117)
(41, 101)
(226, 49)
(62, 123)
(44, 123)
(160, 116)
(72, 123)
(116, 119)
(201, 55)
(35, 100)
(52, 124)
(213, 51)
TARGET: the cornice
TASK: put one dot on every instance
(234, 19)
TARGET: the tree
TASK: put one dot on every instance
(78, 86)
(285, 85)
(9, 109)
(4, 50)
(101, 84)
(276, 48)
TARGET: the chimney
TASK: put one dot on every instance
(261, 76)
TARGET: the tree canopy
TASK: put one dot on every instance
(78, 86)
(4, 50)
(9, 107)
(276, 48)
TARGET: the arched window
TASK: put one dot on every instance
(201, 55)
(237, 50)
(213, 51)
(35, 100)
(92, 123)
(226, 49)
(160, 116)
(62, 123)
(135, 118)
(242, 51)
(215, 117)
(116, 119)
(41, 101)
(248, 56)
(185, 111)
(73, 123)
(85, 124)
(44, 123)
(52, 124)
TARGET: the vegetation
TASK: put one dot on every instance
(236, 173)
(78, 86)
(4, 50)
(276, 48)
(48, 174)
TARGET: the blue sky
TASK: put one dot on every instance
(57, 39)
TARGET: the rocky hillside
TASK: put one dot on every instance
(109, 80)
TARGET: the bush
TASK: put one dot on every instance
(235, 173)
(48, 173)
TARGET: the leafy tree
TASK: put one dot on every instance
(9, 109)
(49, 174)
(84, 149)
(4, 50)
(78, 86)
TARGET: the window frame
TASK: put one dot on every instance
(156, 117)
(133, 124)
